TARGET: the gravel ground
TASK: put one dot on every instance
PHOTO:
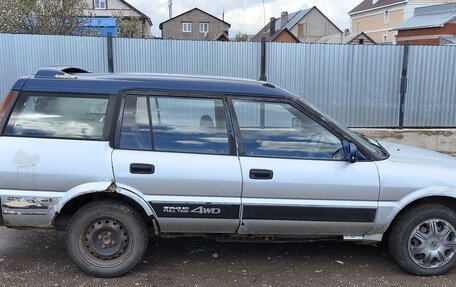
(38, 258)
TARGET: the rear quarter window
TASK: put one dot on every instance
(60, 116)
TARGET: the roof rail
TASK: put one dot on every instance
(57, 71)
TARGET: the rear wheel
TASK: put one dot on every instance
(106, 238)
(423, 240)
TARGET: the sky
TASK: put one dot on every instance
(245, 15)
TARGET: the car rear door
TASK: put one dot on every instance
(295, 176)
(178, 151)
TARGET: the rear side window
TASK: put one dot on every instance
(60, 116)
(189, 125)
(175, 124)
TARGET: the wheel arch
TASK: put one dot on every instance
(389, 211)
(445, 200)
(77, 197)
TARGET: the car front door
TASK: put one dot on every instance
(178, 151)
(296, 179)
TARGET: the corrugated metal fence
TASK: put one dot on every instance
(357, 85)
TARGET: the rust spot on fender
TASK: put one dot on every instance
(112, 187)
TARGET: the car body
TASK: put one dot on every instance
(219, 157)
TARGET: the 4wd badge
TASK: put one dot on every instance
(206, 210)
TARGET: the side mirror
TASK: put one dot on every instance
(351, 151)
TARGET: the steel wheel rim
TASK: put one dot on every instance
(432, 243)
(105, 240)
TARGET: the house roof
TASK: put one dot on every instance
(161, 24)
(264, 33)
(293, 19)
(430, 17)
(143, 16)
(223, 37)
(369, 5)
(336, 39)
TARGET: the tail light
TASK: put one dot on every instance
(5, 104)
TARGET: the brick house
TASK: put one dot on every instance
(307, 25)
(378, 18)
(102, 10)
(195, 24)
(431, 25)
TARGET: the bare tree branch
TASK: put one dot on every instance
(53, 17)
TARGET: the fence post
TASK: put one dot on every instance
(404, 80)
(110, 53)
(263, 60)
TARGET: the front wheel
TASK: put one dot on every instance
(423, 240)
(106, 238)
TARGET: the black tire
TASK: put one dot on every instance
(400, 239)
(106, 238)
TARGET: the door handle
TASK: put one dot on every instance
(261, 174)
(142, 168)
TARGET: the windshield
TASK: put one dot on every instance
(367, 144)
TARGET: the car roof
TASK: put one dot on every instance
(74, 80)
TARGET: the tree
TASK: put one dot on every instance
(129, 26)
(241, 37)
(52, 17)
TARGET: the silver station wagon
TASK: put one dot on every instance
(114, 159)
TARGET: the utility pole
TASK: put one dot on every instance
(264, 14)
(223, 6)
(170, 7)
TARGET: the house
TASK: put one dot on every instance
(105, 13)
(431, 25)
(271, 35)
(307, 25)
(378, 18)
(195, 24)
(347, 39)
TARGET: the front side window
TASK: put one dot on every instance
(204, 27)
(187, 27)
(100, 4)
(280, 130)
(72, 117)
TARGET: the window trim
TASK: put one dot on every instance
(98, 8)
(110, 114)
(201, 24)
(188, 25)
(230, 132)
